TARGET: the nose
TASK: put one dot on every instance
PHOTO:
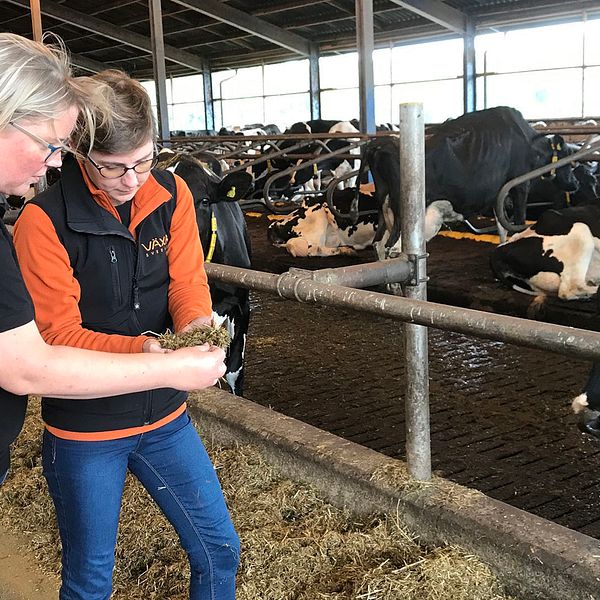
(130, 178)
(55, 160)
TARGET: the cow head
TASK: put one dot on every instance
(211, 192)
(564, 176)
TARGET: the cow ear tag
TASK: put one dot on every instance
(231, 192)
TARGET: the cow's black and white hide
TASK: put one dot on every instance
(313, 177)
(467, 161)
(313, 230)
(225, 241)
(557, 256)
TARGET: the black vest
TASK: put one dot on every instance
(124, 290)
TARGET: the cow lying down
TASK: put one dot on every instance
(313, 230)
(557, 256)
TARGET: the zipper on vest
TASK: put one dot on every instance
(114, 270)
(136, 294)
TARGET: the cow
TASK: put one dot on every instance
(544, 191)
(558, 255)
(225, 240)
(313, 230)
(328, 167)
(467, 161)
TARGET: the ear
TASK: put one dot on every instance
(234, 186)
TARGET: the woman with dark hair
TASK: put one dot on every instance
(109, 253)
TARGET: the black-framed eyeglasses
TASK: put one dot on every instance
(54, 150)
(118, 171)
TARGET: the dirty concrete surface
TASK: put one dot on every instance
(501, 420)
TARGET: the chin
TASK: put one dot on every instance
(16, 189)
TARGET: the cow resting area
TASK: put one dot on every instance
(294, 544)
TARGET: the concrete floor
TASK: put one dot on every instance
(500, 415)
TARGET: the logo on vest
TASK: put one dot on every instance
(156, 245)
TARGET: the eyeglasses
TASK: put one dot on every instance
(54, 150)
(115, 172)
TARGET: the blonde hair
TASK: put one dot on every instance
(131, 122)
(36, 82)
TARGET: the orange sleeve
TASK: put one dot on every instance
(189, 294)
(49, 278)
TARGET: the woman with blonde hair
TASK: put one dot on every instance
(39, 105)
(110, 252)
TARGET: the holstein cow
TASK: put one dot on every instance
(326, 168)
(225, 241)
(559, 255)
(313, 230)
(467, 161)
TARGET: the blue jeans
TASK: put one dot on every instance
(86, 481)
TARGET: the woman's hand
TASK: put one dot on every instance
(200, 366)
(153, 345)
(197, 322)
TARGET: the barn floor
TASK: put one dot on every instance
(500, 415)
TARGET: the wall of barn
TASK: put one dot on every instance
(550, 71)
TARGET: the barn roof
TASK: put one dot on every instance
(235, 33)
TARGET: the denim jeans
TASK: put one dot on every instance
(86, 481)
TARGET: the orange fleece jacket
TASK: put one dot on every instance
(49, 277)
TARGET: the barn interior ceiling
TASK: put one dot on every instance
(221, 34)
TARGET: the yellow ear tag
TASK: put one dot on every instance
(231, 192)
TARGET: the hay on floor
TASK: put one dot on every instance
(295, 546)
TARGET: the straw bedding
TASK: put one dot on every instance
(295, 546)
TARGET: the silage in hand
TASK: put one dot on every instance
(215, 336)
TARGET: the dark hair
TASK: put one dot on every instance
(131, 123)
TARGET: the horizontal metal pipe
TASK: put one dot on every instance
(365, 275)
(569, 341)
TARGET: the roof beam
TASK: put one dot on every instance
(87, 64)
(106, 29)
(438, 12)
(246, 22)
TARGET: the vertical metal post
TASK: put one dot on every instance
(412, 198)
(315, 82)
(160, 72)
(469, 69)
(209, 104)
(365, 45)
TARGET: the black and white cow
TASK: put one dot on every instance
(225, 241)
(329, 167)
(467, 161)
(313, 230)
(559, 255)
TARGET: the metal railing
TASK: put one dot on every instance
(336, 287)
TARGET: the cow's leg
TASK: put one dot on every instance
(576, 254)
(236, 322)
